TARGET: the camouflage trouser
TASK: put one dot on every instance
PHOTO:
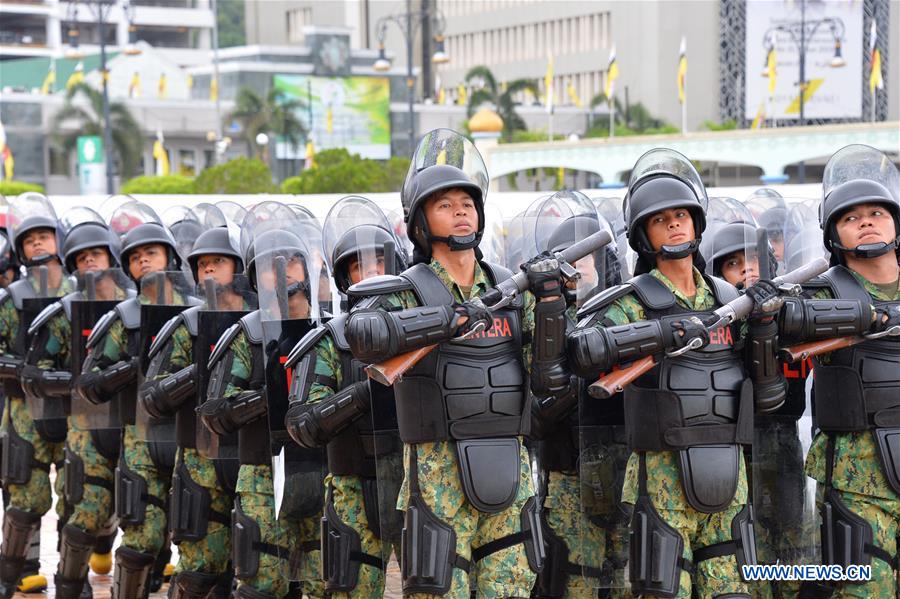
(347, 497)
(212, 554)
(35, 495)
(589, 545)
(884, 517)
(505, 573)
(95, 513)
(256, 498)
(151, 535)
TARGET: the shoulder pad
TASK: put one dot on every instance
(66, 303)
(130, 312)
(603, 300)
(723, 291)
(844, 285)
(337, 326)
(380, 285)
(193, 301)
(429, 289)
(162, 337)
(221, 346)
(44, 316)
(498, 274)
(305, 345)
(652, 293)
(101, 328)
(252, 325)
(20, 290)
(192, 320)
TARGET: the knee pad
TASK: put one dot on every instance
(18, 458)
(341, 552)
(131, 576)
(847, 538)
(189, 507)
(553, 579)
(247, 592)
(192, 585)
(428, 547)
(245, 543)
(130, 496)
(76, 547)
(19, 527)
(74, 483)
(655, 552)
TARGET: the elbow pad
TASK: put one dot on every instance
(592, 350)
(162, 398)
(547, 411)
(227, 415)
(376, 335)
(315, 424)
(803, 320)
(9, 367)
(38, 383)
(766, 372)
(549, 375)
(100, 387)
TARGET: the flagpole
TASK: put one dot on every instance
(684, 114)
(612, 114)
(874, 91)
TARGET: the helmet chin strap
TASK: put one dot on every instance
(457, 243)
(677, 252)
(39, 260)
(869, 250)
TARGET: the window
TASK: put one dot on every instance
(59, 162)
(297, 19)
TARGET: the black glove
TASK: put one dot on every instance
(766, 298)
(885, 318)
(686, 330)
(544, 276)
(480, 318)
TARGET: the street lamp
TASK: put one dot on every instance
(100, 9)
(408, 23)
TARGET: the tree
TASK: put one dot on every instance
(159, 185)
(231, 23)
(128, 142)
(636, 120)
(491, 93)
(241, 175)
(339, 171)
(274, 114)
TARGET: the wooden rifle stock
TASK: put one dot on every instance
(390, 370)
(802, 351)
(616, 381)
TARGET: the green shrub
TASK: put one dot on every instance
(241, 175)
(14, 188)
(159, 185)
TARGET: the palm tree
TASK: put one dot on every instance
(273, 114)
(491, 93)
(126, 133)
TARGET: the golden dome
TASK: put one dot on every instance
(485, 121)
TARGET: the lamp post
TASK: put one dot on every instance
(100, 9)
(408, 23)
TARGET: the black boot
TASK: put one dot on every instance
(18, 528)
(76, 547)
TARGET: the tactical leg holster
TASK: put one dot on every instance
(75, 480)
(76, 547)
(18, 458)
(18, 528)
(131, 576)
(554, 577)
(132, 497)
(248, 592)
(342, 552)
(742, 544)
(192, 585)
(247, 545)
(189, 508)
(889, 453)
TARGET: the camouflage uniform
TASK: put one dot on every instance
(718, 575)
(505, 573)
(256, 495)
(860, 481)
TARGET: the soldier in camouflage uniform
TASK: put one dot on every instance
(856, 390)
(89, 247)
(29, 449)
(692, 528)
(331, 405)
(112, 367)
(201, 493)
(265, 545)
(467, 484)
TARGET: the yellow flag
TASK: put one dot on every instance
(461, 96)
(49, 80)
(573, 95)
(77, 76)
(213, 89)
(162, 88)
(441, 96)
(612, 73)
(682, 70)
(548, 84)
(760, 116)
(329, 120)
(875, 79)
(189, 81)
(134, 88)
(6, 155)
(310, 155)
(771, 65)
(160, 155)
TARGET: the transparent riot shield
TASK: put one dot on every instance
(493, 240)
(859, 161)
(164, 295)
(611, 210)
(101, 291)
(286, 276)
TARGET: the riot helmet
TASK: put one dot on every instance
(443, 160)
(82, 228)
(29, 212)
(138, 225)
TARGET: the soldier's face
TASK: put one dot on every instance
(361, 269)
(146, 259)
(293, 270)
(741, 269)
(865, 224)
(451, 212)
(92, 259)
(670, 227)
(217, 267)
(38, 242)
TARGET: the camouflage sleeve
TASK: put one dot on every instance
(241, 365)
(9, 326)
(622, 311)
(56, 349)
(113, 345)
(182, 349)
(527, 328)
(823, 293)
(328, 366)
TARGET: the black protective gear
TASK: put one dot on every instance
(544, 276)
(146, 234)
(132, 496)
(100, 387)
(769, 383)
(89, 235)
(9, 367)
(18, 458)
(75, 549)
(766, 298)
(192, 585)
(314, 425)
(549, 375)
(131, 576)
(847, 538)
(842, 198)
(227, 415)
(18, 528)
(342, 553)
(246, 544)
(360, 239)
(39, 383)
(685, 330)
(161, 398)
(592, 350)
(189, 508)
(886, 317)
(655, 548)
(215, 241)
(376, 335)
(803, 320)
(479, 319)
(247, 592)
(547, 412)
(276, 243)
